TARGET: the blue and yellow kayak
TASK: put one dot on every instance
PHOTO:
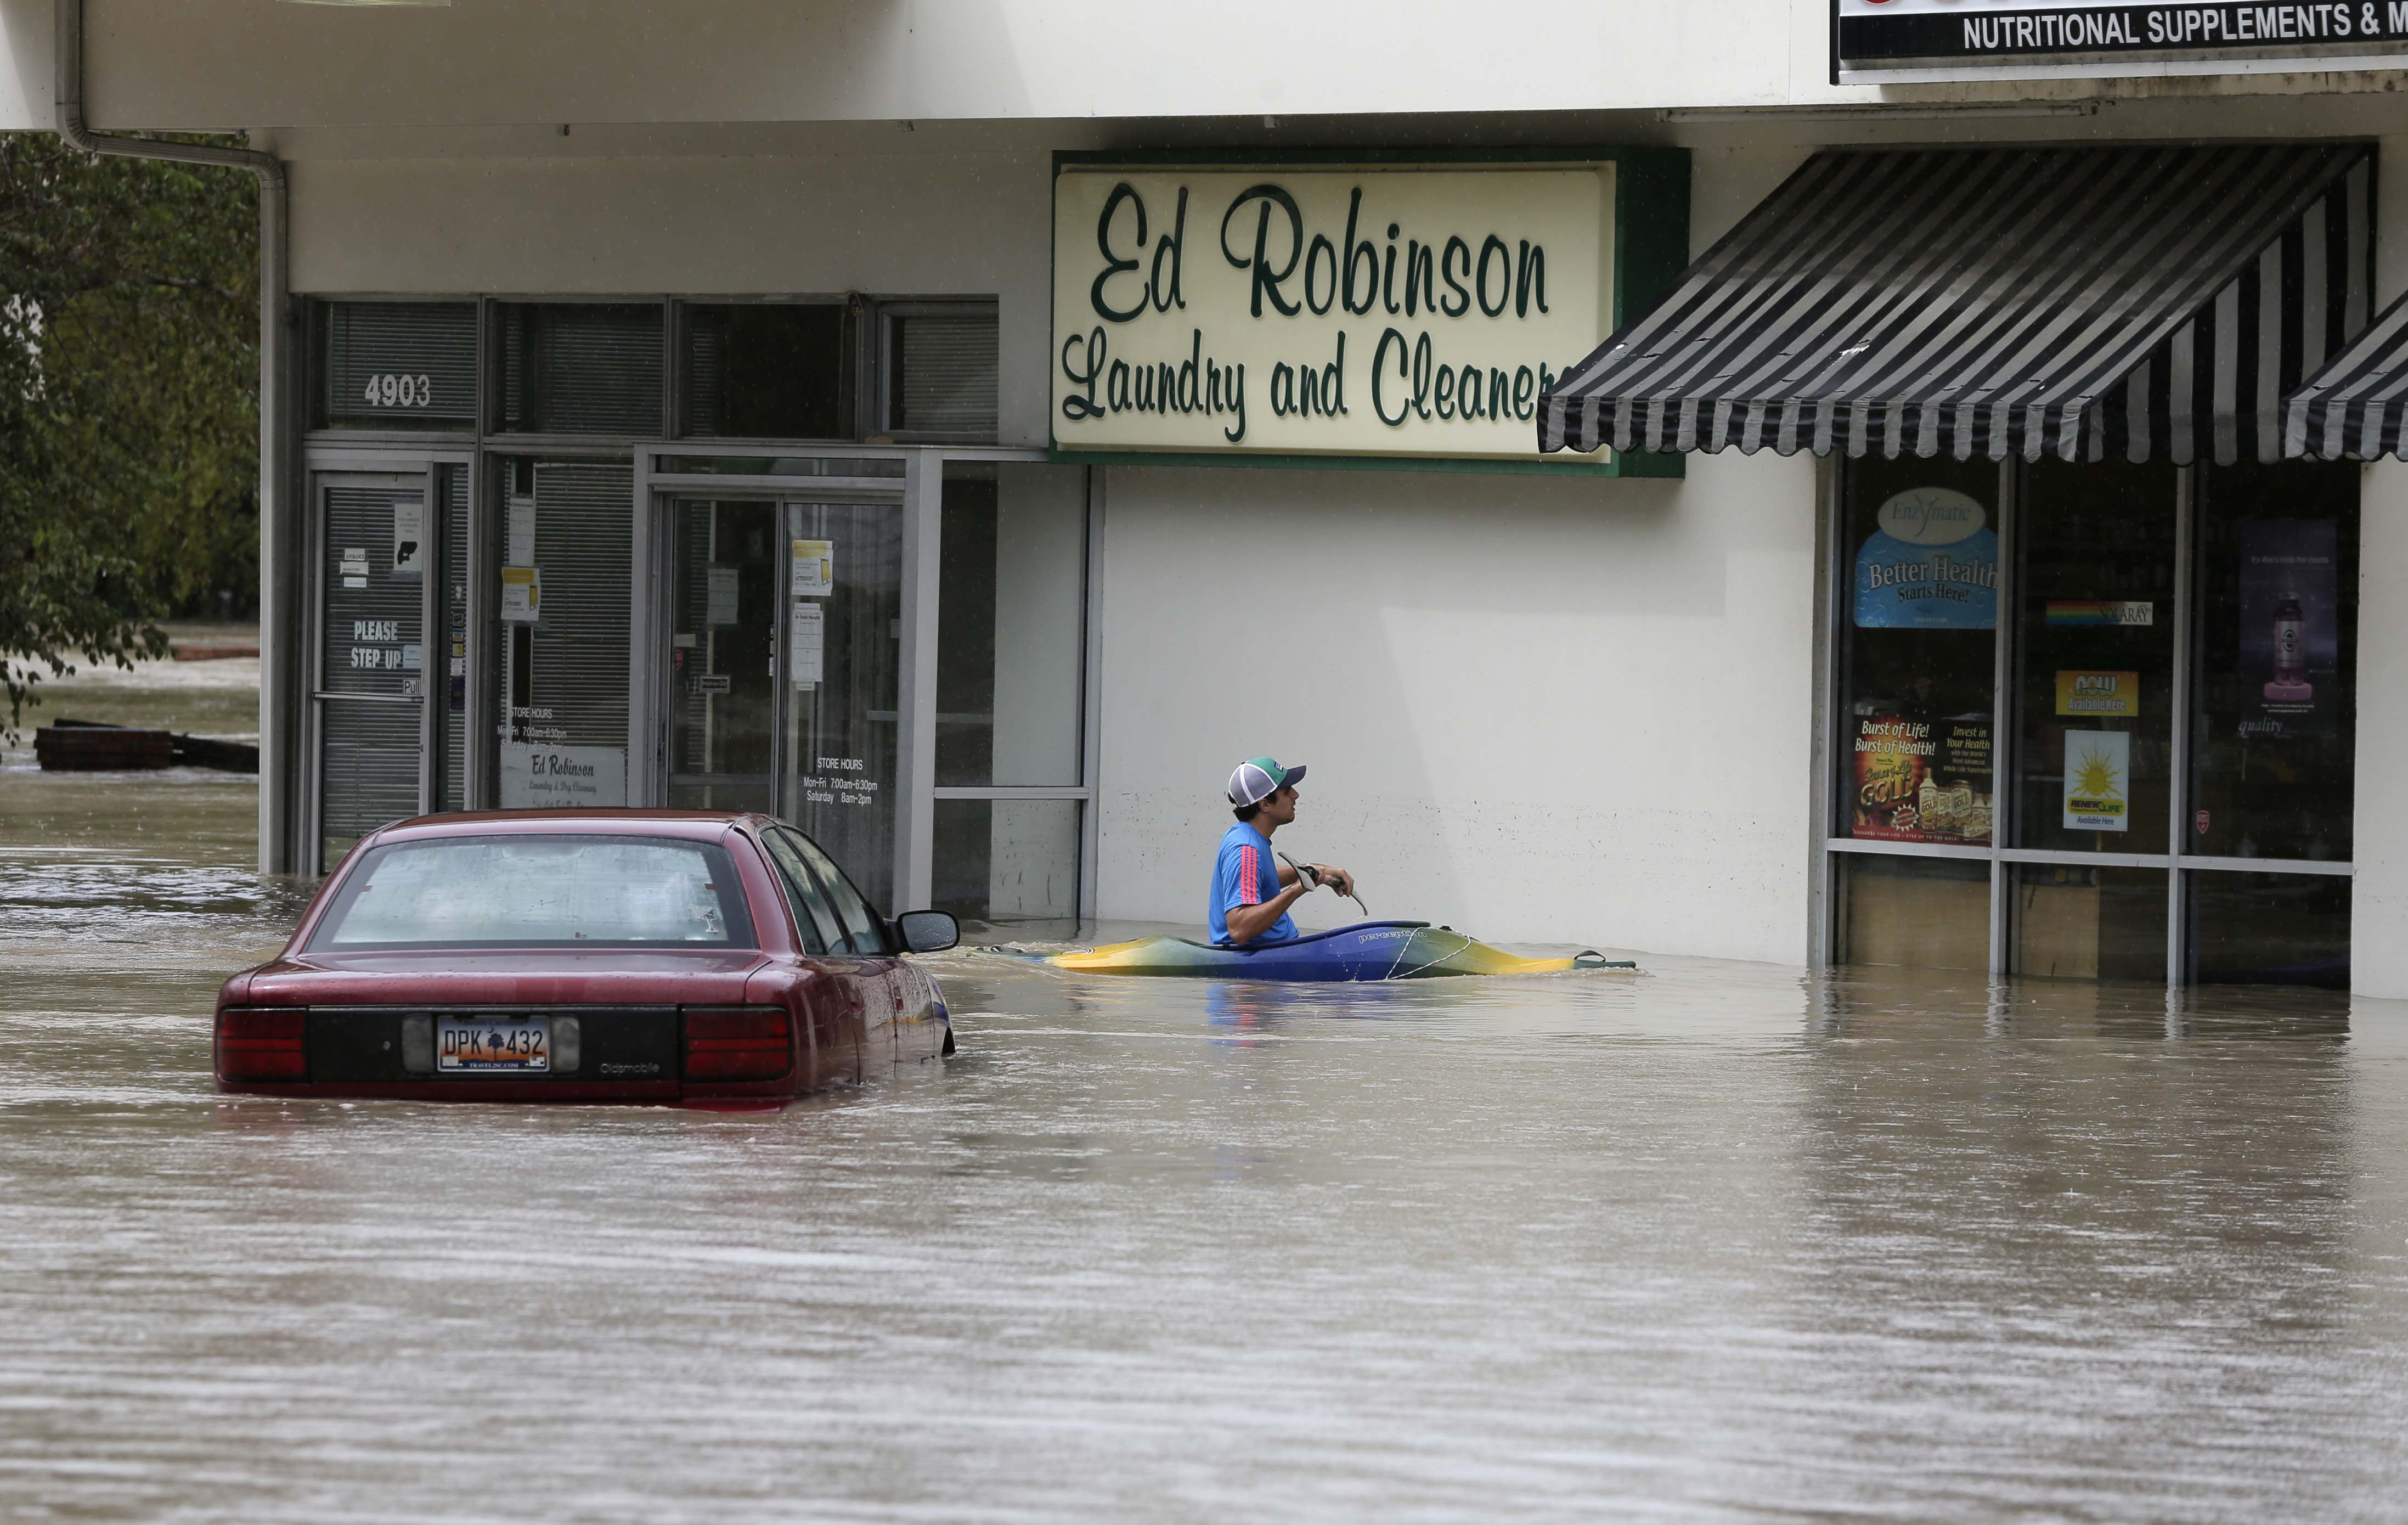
(1370, 950)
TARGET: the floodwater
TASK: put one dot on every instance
(1720, 1242)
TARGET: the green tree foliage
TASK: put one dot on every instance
(129, 376)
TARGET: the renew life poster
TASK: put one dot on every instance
(2290, 627)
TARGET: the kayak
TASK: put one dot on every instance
(1370, 950)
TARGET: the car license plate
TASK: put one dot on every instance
(511, 1044)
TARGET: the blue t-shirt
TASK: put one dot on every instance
(1245, 873)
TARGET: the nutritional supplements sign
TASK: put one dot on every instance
(1902, 41)
(1310, 309)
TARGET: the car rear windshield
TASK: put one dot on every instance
(524, 891)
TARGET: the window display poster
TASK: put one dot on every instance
(2097, 781)
(2097, 693)
(1931, 564)
(1922, 780)
(2290, 627)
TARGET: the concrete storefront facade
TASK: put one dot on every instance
(1541, 706)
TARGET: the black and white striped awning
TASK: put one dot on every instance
(2086, 302)
(2354, 408)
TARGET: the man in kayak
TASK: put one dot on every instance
(1251, 889)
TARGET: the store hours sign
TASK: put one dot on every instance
(1332, 309)
(1904, 41)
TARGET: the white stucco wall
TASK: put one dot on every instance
(1572, 710)
(234, 62)
(2379, 908)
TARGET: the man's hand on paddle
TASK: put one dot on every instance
(1321, 874)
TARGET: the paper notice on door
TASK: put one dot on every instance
(722, 584)
(552, 777)
(519, 527)
(2097, 781)
(815, 568)
(521, 595)
(408, 536)
(806, 644)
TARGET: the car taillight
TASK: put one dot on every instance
(261, 1044)
(743, 1042)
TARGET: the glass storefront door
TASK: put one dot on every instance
(784, 669)
(373, 548)
(390, 705)
(724, 598)
(564, 599)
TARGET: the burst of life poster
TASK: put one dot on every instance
(1922, 780)
(2290, 627)
(2097, 781)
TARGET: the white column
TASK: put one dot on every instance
(2379, 910)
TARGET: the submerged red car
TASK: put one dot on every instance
(600, 955)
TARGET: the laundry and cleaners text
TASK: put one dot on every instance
(1349, 310)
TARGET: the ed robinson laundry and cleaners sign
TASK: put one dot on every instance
(1899, 41)
(1367, 309)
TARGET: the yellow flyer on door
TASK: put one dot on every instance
(521, 595)
(815, 568)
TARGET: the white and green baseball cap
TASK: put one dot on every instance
(1259, 777)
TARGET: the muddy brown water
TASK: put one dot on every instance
(1724, 1242)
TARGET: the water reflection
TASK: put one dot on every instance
(1723, 1241)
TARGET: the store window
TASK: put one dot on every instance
(2095, 630)
(767, 370)
(1918, 654)
(1929, 913)
(395, 366)
(2179, 661)
(939, 363)
(2274, 723)
(2269, 928)
(578, 367)
(2090, 921)
(1011, 690)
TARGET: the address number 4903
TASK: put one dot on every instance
(401, 392)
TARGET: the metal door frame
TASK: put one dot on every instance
(659, 487)
(664, 474)
(375, 470)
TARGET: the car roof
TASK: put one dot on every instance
(694, 825)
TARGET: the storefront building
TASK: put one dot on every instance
(968, 436)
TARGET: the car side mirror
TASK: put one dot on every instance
(927, 931)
